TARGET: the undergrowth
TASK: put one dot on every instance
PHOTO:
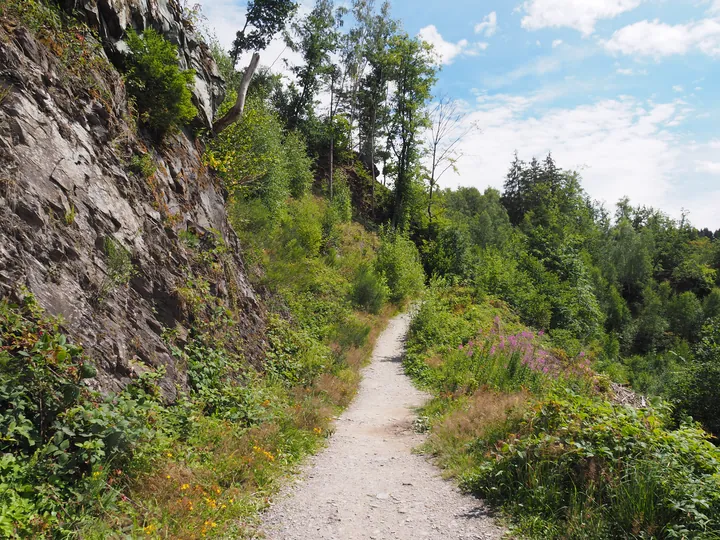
(531, 428)
(78, 463)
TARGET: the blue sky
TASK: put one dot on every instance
(626, 91)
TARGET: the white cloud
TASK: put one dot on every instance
(628, 71)
(656, 39)
(557, 43)
(446, 50)
(678, 88)
(582, 15)
(488, 26)
(622, 147)
(712, 167)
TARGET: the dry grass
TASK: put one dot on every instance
(478, 413)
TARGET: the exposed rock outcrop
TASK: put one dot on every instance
(111, 18)
(66, 191)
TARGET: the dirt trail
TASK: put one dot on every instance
(367, 484)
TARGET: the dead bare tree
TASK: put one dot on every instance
(448, 128)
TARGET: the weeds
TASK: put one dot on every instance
(143, 165)
(70, 215)
(525, 425)
(120, 269)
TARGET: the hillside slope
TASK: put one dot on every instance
(90, 217)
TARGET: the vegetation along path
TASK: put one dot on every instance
(368, 484)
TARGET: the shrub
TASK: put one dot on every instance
(56, 435)
(258, 161)
(578, 467)
(142, 165)
(299, 165)
(697, 392)
(160, 89)
(398, 261)
(369, 290)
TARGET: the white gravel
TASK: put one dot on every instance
(367, 484)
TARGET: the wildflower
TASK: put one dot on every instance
(185, 487)
(169, 455)
(96, 474)
(167, 476)
(217, 490)
(317, 431)
(149, 529)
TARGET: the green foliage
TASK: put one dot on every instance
(264, 19)
(142, 165)
(120, 269)
(369, 290)
(578, 467)
(57, 439)
(697, 392)
(256, 159)
(161, 90)
(398, 262)
(573, 465)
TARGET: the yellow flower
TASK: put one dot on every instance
(169, 454)
(185, 487)
(168, 477)
(96, 474)
(317, 431)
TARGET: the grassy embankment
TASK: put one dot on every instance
(531, 429)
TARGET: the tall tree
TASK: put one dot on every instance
(264, 19)
(373, 107)
(414, 74)
(448, 128)
(512, 198)
(316, 37)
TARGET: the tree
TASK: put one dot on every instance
(512, 197)
(372, 96)
(447, 130)
(315, 37)
(264, 19)
(413, 73)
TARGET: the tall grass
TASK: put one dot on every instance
(526, 426)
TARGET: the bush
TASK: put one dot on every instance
(56, 435)
(369, 290)
(398, 261)
(257, 160)
(161, 90)
(578, 467)
(299, 165)
(697, 391)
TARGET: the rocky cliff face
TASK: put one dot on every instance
(111, 18)
(67, 196)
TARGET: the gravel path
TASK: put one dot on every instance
(367, 484)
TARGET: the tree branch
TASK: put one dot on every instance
(235, 113)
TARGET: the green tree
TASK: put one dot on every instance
(697, 391)
(372, 95)
(263, 20)
(414, 74)
(316, 38)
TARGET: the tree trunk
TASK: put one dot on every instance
(372, 158)
(332, 135)
(235, 113)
